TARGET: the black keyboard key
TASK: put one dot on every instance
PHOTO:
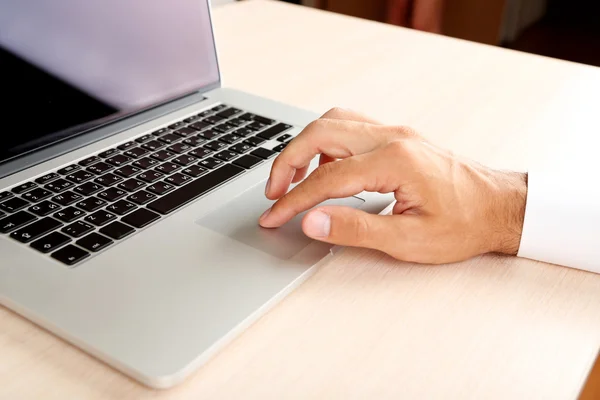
(80, 176)
(44, 208)
(219, 107)
(179, 148)
(5, 195)
(121, 207)
(50, 242)
(100, 168)
(195, 171)
(263, 153)
(94, 242)
(185, 132)
(91, 204)
(263, 120)
(136, 152)
(194, 189)
(160, 188)
(59, 185)
(230, 112)
(230, 138)
(224, 127)
(69, 214)
(127, 170)
(37, 194)
(15, 221)
(280, 147)
(67, 198)
(118, 160)
(89, 161)
(241, 148)
(180, 179)
(248, 161)
(208, 135)
(163, 155)
(247, 116)
(108, 153)
(255, 126)
(154, 145)
(111, 194)
(35, 230)
(150, 176)
(88, 188)
(77, 229)
(140, 218)
(117, 230)
(226, 155)
(131, 185)
(108, 179)
(70, 255)
(213, 119)
(194, 141)
(142, 197)
(145, 138)
(68, 169)
(167, 168)
(274, 131)
(100, 218)
(185, 160)
(169, 138)
(243, 132)
(14, 204)
(126, 146)
(198, 126)
(200, 153)
(215, 146)
(160, 132)
(176, 125)
(211, 163)
(284, 138)
(23, 187)
(145, 163)
(46, 178)
(237, 122)
(205, 113)
(191, 119)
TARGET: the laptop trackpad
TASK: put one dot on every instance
(238, 219)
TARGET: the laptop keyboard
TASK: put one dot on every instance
(83, 208)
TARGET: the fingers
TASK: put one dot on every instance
(348, 115)
(333, 180)
(347, 226)
(335, 138)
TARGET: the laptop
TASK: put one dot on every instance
(131, 183)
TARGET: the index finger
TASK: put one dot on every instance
(334, 180)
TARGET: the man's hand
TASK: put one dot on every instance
(447, 208)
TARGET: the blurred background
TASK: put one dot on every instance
(564, 29)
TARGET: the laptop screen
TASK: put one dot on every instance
(67, 66)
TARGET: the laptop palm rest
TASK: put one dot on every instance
(238, 219)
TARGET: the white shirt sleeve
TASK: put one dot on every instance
(562, 218)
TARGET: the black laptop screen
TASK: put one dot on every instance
(67, 66)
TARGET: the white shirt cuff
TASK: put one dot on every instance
(562, 219)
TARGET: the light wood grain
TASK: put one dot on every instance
(366, 326)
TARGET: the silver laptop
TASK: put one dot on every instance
(131, 183)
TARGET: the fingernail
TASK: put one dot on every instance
(317, 224)
(267, 187)
(264, 215)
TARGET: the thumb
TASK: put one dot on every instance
(348, 226)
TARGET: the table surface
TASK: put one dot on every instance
(365, 325)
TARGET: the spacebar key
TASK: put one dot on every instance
(195, 189)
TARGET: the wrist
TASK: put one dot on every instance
(506, 211)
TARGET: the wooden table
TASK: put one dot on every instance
(366, 326)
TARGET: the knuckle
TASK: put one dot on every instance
(362, 229)
(396, 147)
(335, 112)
